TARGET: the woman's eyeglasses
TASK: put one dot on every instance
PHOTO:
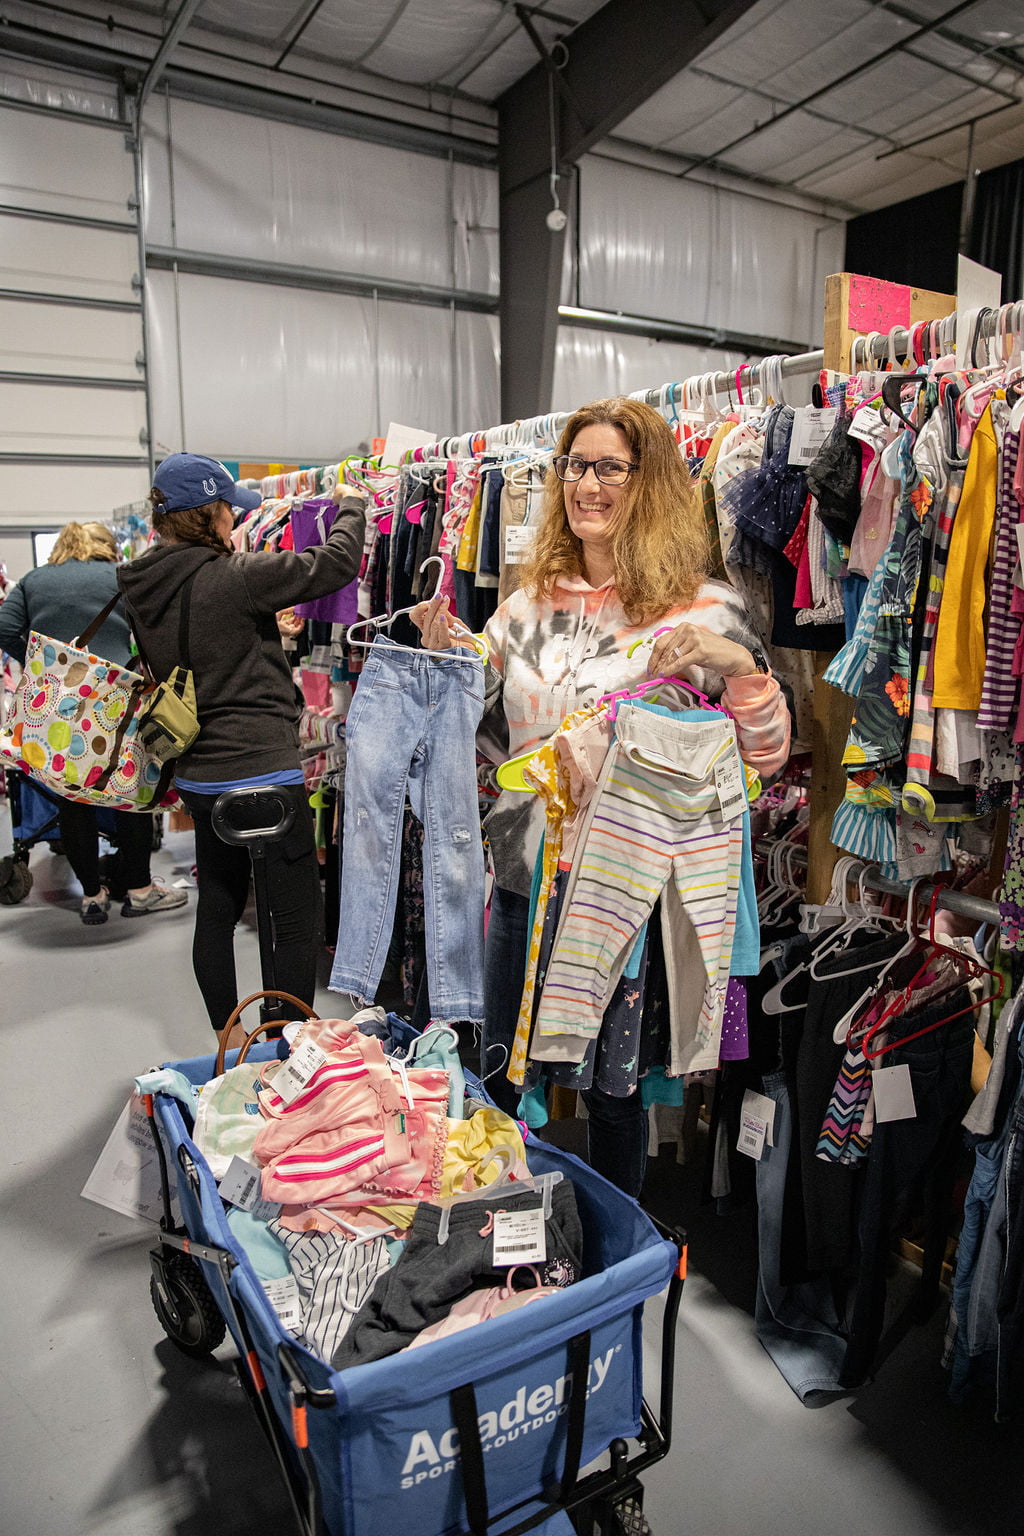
(569, 466)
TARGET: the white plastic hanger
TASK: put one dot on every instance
(384, 621)
(514, 1178)
(843, 1025)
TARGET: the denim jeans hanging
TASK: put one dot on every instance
(412, 729)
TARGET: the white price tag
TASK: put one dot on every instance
(763, 1108)
(283, 1296)
(294, 1074)
(731, 786)
(519, 1237)
(519, 540)
(241, 1186)
(811, 427)
(894, 1093)
(753, 1135)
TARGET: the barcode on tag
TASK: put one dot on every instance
(752, 1137)
(731, 787)
(520, 1237)
(295, 1073)
(241, 1184)
(810, 429)
(283, 1296)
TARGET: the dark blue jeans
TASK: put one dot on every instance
(617, 1128)
(1010, 1301)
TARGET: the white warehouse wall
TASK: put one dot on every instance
(265, 371)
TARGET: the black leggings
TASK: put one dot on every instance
(223, 873)
(81, 839)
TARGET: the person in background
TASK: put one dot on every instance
(247, 705)
(621, 554)
(61, 599)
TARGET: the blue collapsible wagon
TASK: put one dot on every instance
(483, 1431)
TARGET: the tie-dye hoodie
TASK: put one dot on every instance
(552, 655)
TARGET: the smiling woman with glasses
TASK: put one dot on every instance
(620, 558)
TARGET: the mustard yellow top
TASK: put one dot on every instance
(960, 638)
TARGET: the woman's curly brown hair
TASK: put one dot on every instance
(191, 525)
(660, 541)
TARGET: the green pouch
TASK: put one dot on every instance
(168, 724)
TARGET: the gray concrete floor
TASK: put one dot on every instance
(107, 1430)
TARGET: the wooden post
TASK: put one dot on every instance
(854, 306)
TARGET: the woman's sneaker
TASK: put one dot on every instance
(158, 899)
(95, 909)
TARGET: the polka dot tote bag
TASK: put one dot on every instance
(72, 727)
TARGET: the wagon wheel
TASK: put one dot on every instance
(15, 881)
(628, 1518)
(199, 1326)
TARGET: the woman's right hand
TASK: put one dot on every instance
(435, 624)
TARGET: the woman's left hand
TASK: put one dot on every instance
(686, 647)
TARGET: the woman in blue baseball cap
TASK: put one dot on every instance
(246, 701)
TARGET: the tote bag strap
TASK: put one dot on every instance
(184, 621)
(86, 637)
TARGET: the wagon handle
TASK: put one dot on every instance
(236, 1014)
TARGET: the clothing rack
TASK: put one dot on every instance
(962, 902)
(948, 899)
(542, 432)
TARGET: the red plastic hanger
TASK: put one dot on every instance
(932, 950)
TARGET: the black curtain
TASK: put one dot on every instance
(997, 229)
(912, 242)
(916, 241)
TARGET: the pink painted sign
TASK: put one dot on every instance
(876, 305)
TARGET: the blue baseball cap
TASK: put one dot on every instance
(191, 480)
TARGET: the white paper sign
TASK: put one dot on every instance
(519, 1237)
(283, 1296)
(977, 287)
(811, 427)
(126, 1177)
(518, 541)
(294, 1074)
(894, 1093)
(399, 441)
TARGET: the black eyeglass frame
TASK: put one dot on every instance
(563, 458)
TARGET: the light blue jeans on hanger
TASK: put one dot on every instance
(412, 729)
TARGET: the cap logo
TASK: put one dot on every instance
(210, 487)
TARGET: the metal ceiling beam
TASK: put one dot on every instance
(615, 62)
(269, 101)
(833, 85)
(1003, 56)
(299, 24)
(247, 269)
(186, 11)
